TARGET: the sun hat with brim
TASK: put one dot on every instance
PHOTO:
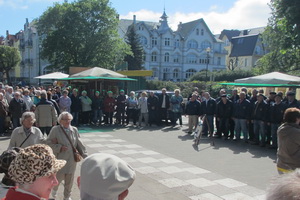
(34, 162)
(104, 176)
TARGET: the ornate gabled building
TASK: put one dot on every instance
(177, 55)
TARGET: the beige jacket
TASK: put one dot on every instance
(46, 115)
(18, 136)
(57, 133)
(288, 153)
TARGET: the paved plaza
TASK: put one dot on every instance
(169, 167)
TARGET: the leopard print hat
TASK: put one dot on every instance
(34, 162)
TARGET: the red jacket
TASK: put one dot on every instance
(12, 194)
(109, 104)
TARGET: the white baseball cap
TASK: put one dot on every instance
(105, 176)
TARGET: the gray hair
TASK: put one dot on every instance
(286, 186)
(44, 93)
(26, 115)
(62, 115)
(132, 92)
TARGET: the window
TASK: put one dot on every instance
(189, 73)
(202, 32)
(154, 57)
(176, 43)
(167, 57)
(203, 60)
(197, 31)
(205, 45)
(192, 44)
(192, 59)
(166, 74)
(167, 41)
(154, 41)
(143, 40)
(141, 28)
(219, 61)
(176, 58)
(175, 73)
(154, 72)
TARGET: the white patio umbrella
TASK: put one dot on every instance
(54, 75)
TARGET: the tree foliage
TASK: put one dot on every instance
(81, 33)
(224, 75)
(135, 60)
(282, 38)
(10, 57)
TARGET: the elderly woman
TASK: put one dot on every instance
(34, 170)
(175, 103)
(58, 140)
(132, 108)
(288, 153)
(65, 102)
(26, 134)
(86, 108)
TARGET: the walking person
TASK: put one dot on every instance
(59, 140)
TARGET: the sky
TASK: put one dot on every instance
(218, 14)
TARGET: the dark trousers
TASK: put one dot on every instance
(120, 116)
(45, 130)
(209, 121)
(108, 118)
(163, 114)
(174, 116)
(268, 133)
(153, 117)
(132, 114)
(231, 127)
(16, 122)
(224, 127)
(86, 117)
(2, 119)
(251, 130)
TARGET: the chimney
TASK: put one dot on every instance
(7, 33)
(134, 19)
(179, 25)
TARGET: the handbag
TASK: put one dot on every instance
(77, 156)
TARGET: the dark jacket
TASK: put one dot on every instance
(242, 109)
(193, 108)
(17, 108)
(234, 99)
(259, 111)
(153, 103)
(294, 104)
(121, 106)
(209, 108)
(224, 110)
(276, 112)
(97, 103)
(167, 100)
(76, 104)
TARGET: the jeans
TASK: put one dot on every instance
(274, 128)
(259, 130)
(97, 116)
(75, 118)
(241, 126)
(224, 126)
(16, 122)
(208, 126)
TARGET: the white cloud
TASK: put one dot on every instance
(244, 14)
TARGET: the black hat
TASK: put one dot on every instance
(224, 95)
(290, 93)
(273, 93)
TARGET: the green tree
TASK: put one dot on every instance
(135, 60)
(282, 38)
(10, 57)
(81, 33)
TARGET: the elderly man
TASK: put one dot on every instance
(45, 114)
(105, 176)
(208, 108)
(164, 105)
(16, 108)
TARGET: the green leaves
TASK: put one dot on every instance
(9, 58)
(82, 33)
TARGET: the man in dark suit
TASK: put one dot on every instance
(164, 105)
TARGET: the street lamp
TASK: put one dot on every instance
(40, 46)
(207, 61)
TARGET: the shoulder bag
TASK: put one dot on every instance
(77, 156)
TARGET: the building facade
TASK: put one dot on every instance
(177, 55)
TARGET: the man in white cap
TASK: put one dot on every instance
(105, 177)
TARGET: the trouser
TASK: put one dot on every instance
(231, 127)
(259, 131)
(193, 122)
(97, 116)
(268, 133)
(224, 127)
(163, 114)
(45, 130)
(132, 113)
(2, 119)
(86, 117)
(120, 116)
(153, 117)
(145, 116)
(108, 119)
(241, 126)
(175, 116)
(251, 130)
(274, 128)
(208, 125)
(75, 118)
(68, 183)
(16, 122)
